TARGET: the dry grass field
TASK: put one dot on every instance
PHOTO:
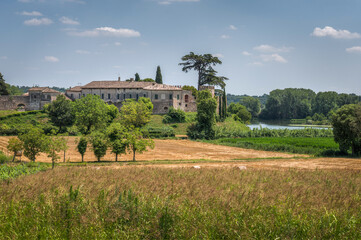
(179, 153)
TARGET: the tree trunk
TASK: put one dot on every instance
(64, 157)
(52, 164)
(98, 159)
(82, 158)
(133, 155)
(116, 157)
(14, 157)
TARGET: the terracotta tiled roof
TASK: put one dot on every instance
(43, 89)
(117, 84)
(75, 89)
(160, 87)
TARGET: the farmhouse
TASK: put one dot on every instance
(115, 92)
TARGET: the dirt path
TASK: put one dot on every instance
(221, 155)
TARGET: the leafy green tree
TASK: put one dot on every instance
(200, 63)
(53, 145)
(346, 124)
(61, 113)
(147, 80)
(137, 143)
(90, 113)
(82, 146)
(344, 99)
(136, 114)
(206, 117)
(3, 87)
(192, 89)
(137, 78)
(252, 104)
(34, 142)
(174, 116)
(15, 145)
(117, 135)
(325, 102)
(158, 77)
(99, 144)
(113, 113)
(240, 112)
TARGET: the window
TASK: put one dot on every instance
(108, 96)
(186, 105)
(102, 95)
(123, 96)
(83, 95)
(145, 95)
(170, 96)
(186, 98)
(79, 95)
(137, 96)
(177, 96)
(162, 96)
(165, 108)
(118, 96)
(71, 95)
(130, 95)
(156, 96)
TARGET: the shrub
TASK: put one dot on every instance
(4, 158)
(174, 116)
(158, 132)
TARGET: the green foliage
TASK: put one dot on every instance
(206, 117)
(230, 128)
(137, 78)
(239, 113)
(192, 89)
(346, 124)
(252, 104)
(61, 113)
(91, 113)
(8, 172)
(174, 116)
(53, 145)
(15, 145)
(113, 112)
(136, 141)
(4, 158)
(200, 63)
(325, 102)
(158, 132)
(34, 142)
(314, 146)
(158, 77)
(99, 144)
(116, 134)
(82, 146)
(136, 114)
(3, 87)
(147, 80)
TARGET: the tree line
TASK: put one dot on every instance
(102, 126)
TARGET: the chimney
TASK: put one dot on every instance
(132, 79)
(118, 79)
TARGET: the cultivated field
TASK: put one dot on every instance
(185, 153)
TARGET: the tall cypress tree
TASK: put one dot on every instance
(224, 104)
(137, 78)
(158, 77)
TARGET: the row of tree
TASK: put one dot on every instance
(297, 103)
(102, 125)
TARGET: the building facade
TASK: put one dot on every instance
(115, 92)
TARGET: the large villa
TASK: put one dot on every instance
(112, 92)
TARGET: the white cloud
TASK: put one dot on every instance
(33, 13)
(269, 48)
(69, 21)
(225, 37)
(3, 57)
(106, 31)
(331, 32)
(273, 58)
(245, 53)
(51, 59)
(167, 2)
(218, 55)
(232, 27)
(82, 52)
(117, 43)
(38, 21)
(356, 49)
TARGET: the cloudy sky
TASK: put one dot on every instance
(264, 44)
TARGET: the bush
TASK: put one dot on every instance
(4, 158)
(174, 116)
(158, 132)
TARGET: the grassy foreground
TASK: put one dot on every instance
(183, 203)
(302, 145)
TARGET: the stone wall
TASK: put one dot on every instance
(14, 102)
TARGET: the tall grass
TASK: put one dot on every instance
(10, 171)
(150, 203)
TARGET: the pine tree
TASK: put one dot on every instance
(158, 77)
(137, 78)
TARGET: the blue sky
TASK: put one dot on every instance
(264, 44)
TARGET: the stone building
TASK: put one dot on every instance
(34, 99)
(115, 92)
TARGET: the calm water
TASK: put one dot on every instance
(276, 126)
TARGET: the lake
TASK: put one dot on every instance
(279, 125)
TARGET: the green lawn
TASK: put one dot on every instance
(179, 128)
(315, 146)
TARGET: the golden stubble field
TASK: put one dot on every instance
(215, 156)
